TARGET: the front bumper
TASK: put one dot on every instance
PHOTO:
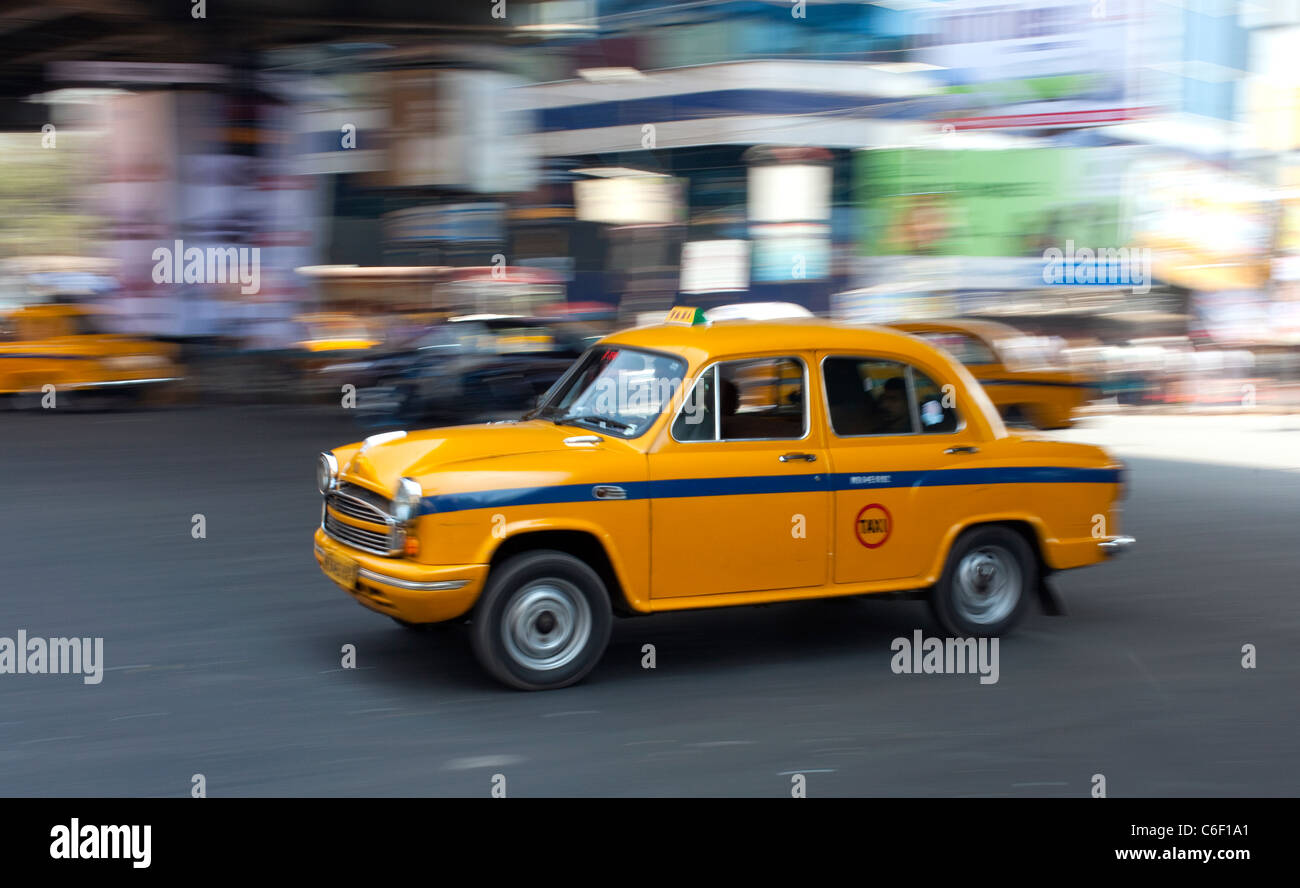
(1112, 546)
(416, 593)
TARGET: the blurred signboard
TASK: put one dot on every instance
(791, 251)
(460, 223)
(991, 40)
(460, 128)
(630, 200)
(715, 266)
(789, 193)
(1012, 202)
(1055, 63)
(340, 123)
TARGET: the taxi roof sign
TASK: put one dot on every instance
(685, 315)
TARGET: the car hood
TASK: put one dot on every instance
(379, 462)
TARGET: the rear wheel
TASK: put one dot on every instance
(543, 621)
(986, 584)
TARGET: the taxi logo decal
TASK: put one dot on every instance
(873, 526)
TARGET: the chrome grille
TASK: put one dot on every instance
(373, 541)
(360, 503)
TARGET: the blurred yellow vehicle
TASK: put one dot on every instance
(695, 465)
(64, 346)
(336, 331)
(1024, 384)
(327, 338)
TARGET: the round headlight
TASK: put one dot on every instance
(327, 472)
(406, 500)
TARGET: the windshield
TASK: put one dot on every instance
(616, 391)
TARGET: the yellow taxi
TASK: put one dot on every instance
(334, 331)
(1024, 384)
(698, 465)
(64, 345)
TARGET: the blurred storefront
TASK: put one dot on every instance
(1210, 231)
(948, 231)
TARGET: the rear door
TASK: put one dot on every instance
(889, 433)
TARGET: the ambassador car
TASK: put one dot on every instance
(699, 465)
(63, 349)
(1027, 386)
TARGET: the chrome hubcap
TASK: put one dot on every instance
(987, 585)
(547, 624)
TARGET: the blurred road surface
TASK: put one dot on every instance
(224, 653)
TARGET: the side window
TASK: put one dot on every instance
(867, 396)
(744, 401)
(935, 407)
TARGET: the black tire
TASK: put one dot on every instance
(978, 557)
(538, 603)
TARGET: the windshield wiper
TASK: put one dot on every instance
(593, 418)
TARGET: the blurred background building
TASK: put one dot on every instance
(885, 161)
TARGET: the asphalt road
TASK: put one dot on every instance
(223, 654)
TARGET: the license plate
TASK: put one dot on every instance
(341, 570)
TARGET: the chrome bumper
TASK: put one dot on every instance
(398, 582)
(1112, 546)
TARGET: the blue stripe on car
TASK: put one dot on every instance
(759, 484)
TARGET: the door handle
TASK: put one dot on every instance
(963, 448)
(806, 457)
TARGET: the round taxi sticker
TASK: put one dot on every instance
(873, 525)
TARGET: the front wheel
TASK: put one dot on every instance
(986, 583)
(542, 622)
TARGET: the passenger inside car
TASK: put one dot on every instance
(773, 407)
(893, 414)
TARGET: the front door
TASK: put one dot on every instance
(740, 485)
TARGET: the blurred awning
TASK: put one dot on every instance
(358, 273)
